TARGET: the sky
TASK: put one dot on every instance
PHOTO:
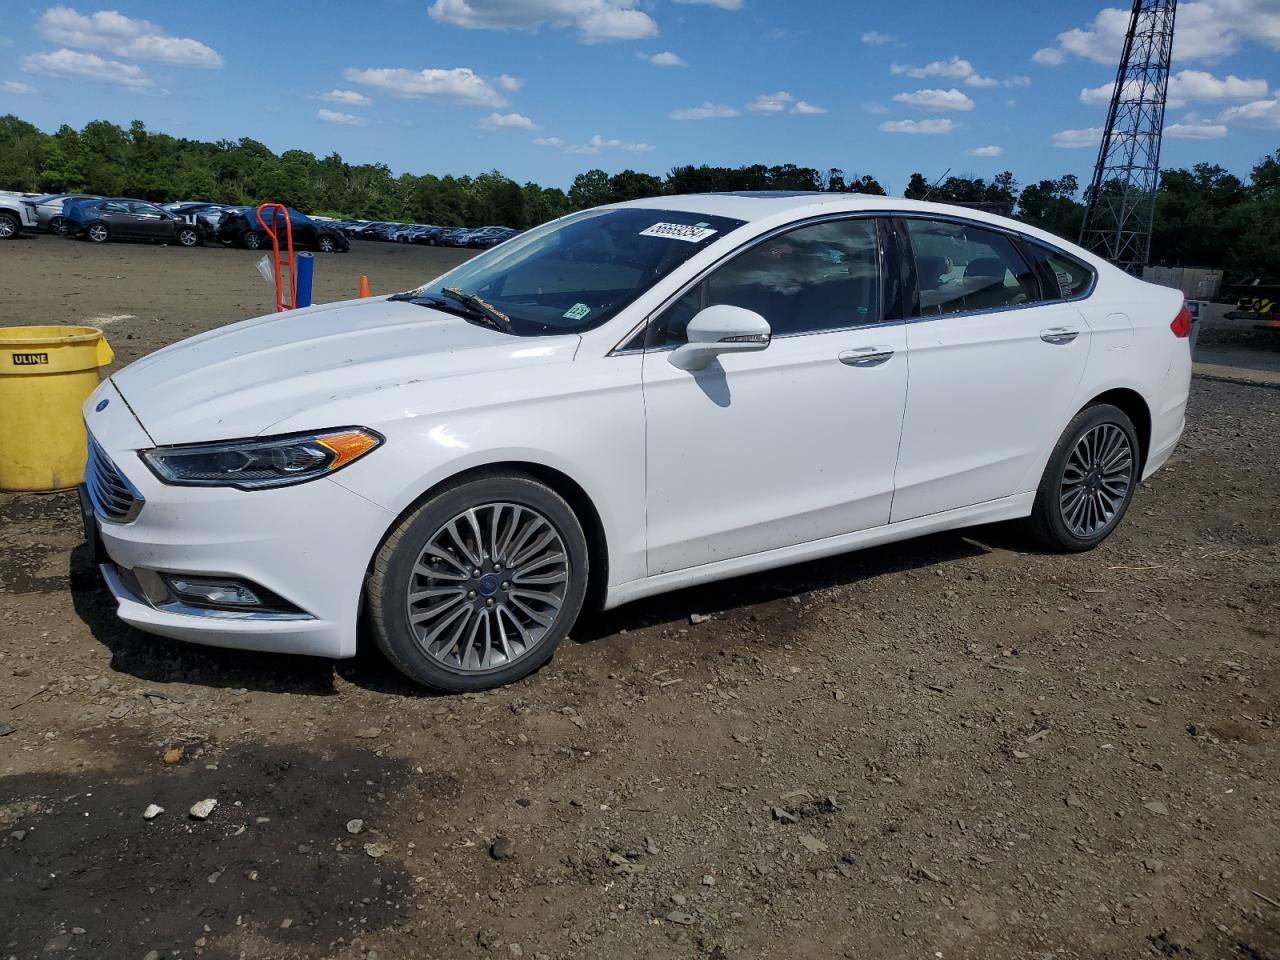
(544, 89)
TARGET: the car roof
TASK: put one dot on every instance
(786, 205)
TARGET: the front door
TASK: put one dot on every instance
(150, 222)
(791, 444)
(994, 364)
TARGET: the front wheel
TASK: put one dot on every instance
(326, 245)
(1089, 481)
(253, 240)
(189, 237)
(477, 586)
(55, 225)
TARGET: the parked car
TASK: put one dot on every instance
(242, 229)
(453, 237)
(49, 209)
(123, 218)
(212, 213)
(487, 237)
(626, 401)
(16, 215)
(427, 235)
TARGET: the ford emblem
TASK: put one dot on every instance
(102, 405)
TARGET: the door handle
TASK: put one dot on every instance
(865, 356)
(1059, 335)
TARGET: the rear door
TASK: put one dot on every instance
(994, 363)
(118, 218)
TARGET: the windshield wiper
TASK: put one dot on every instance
(497, 319)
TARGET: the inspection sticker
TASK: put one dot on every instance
(577, 311)
(678, 231)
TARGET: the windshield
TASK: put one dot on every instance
(576, 273)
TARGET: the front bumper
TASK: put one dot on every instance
(309, 544)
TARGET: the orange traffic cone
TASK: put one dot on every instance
(364, 286)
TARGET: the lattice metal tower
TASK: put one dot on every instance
(1121, 201)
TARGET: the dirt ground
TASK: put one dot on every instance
(956, 747)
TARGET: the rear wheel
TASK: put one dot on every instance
(1089, 481)
(9, 226)
(98, 233)
(253, 240)
(326, 245)
(477, 586)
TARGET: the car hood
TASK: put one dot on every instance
(239, 380)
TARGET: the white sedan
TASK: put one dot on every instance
(628, 400)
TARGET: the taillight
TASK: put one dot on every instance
(1181, 325)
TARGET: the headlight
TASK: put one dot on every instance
(261, 461)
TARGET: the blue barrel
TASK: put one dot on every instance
(306, 269)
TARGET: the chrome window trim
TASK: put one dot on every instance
(620, 351)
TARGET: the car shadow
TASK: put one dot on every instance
(161, 660)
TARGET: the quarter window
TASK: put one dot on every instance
(824, 276)
(1063, 277)
(962, 268)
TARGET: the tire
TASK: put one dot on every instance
(9, 226)
(98, 233)
(188, 237)
(55, 225)
(474, 633)
(1088, 482)
(252, 240)
(326, 245)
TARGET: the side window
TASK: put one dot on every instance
(145, 209)
(1062, 277)
(960, 268)
(825, 276)
(115, 206)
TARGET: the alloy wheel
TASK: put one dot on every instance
(326, 245)
(1096, 480)
(487, 587)
(97, 233)
(8, 228)
(188, 238)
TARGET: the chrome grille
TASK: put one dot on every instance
(114, 497)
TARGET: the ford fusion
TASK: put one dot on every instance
(625, 401)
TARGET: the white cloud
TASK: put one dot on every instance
(598, 143)
(878, 39)
(594, 19)
(708, 111)
(771, 102)
(495, 121)
(548, 142)
(952, 99)
(1077, 139)
(350, 98)
(342, 119)
(875, 109)
(1186, 86)
(1265, 112)
(667, 59)
(120, 35)
(957, 68)
(803, 106)
(13, 86)
(1206, 30)
(991, 151)
(722, 4)
(457, 85)
(86, 66)
(935, 125)
(508, 83)
(1195, 131)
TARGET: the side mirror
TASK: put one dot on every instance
(722, 328)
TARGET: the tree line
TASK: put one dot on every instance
(1205, 216)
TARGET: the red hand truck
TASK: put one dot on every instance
(282, 302)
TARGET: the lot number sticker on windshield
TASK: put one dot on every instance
(679, 231)
(577, 311)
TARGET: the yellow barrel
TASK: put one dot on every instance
(45, 375)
